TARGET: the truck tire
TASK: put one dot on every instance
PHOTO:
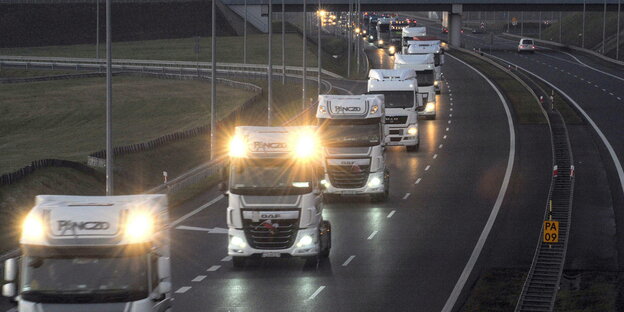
(413, 148)
(238, 262)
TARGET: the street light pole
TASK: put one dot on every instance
(583, 31)
(245, 36)
(270, 69)
(283, 42)
(349, 41)
(318, 44)
(97, 30)
(213, 82)
(109, 102)
(303, 74)
(617, 36)
(604, 28)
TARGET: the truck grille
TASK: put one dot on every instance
(277, 234)
(348, 176)
(394, 120)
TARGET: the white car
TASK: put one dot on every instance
(526, 45)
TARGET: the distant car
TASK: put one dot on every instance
(526, 45)
(479, 30)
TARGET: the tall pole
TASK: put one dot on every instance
(270, 69)
(522, 23)
(245, 36)
(540, 25)
(357, 37)
(560, 29)
(583, 31)
(303, 74)
(97, 30)
(617, 36)
(213, 81)
(349, 41)
(604, 28)
(318, 57)
(109, 103)
(283, 42)
(508, 20)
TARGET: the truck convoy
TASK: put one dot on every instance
(430, 47)
(274, 201)
(400, 90)
(352, 131)
(424, 66)
(93, 253)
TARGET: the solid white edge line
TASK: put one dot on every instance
(463, 278)
(598, 70)
(391, 214)
(192, 213)
(406, 196)
(372, 235)
(348, 260)
(614, 158)
(318, 291)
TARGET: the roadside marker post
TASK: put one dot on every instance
(551, 232)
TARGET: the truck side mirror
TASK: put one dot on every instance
(8, 290)
(10, 270)
(164, 268)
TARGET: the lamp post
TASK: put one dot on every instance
(213, 81)
(303, 74)
(109, 103)
(270, 67)
(321, 16)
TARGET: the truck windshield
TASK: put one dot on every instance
(347, 133)
(84, 278)
(270, 177)
(425, 78)
(397, 99)
(383, 27)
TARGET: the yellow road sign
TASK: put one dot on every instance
(551, 232)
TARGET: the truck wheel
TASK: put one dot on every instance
(413, 148)
(238, 262)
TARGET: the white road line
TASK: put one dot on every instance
(444, 137)
(463, 278)
(604, 90)
(598, 70)
(199, 278)
(417, 181)
(582, 78)
(213, 268)
(610, 93)
(441, 146)
(192, 213)
(451, 99)
(348, 260)
(435, 156)
(406, 196)
(447, 129)
(596, 86)
(427, 168)
(226, 259)
(619, 98)
(449, 121)
(183, 289)
(391, 214)
(372, 235)
(450, 115)
(451, 109)
(318, 291)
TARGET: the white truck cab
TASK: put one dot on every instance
(275, 206)
(93, 253)
(383, 32)
(430, 47)
(400, 90)
(352, 131)
(424, 66)
(412, 33)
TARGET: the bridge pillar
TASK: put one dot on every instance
(455, 25)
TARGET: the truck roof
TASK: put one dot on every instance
(269, 142)
(414, 31)
(422, 48)
(391, 74)
(415, 61)
(392, 80)
(384, 20)
(350, 106)
(93, 220)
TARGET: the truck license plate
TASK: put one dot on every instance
(349, 192)
(271, 255)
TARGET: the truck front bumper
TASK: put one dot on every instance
(239, 247)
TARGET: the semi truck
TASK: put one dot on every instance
(424, 66)
(400, 90)
(430, 47)
(383, 32)
(352, 132)
(371, 26)
(92, 253)
(412, 33)
(275, 206)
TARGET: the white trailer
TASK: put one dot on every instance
(424, 66)
(429, 47)
(401, 100)
(93, 253)
(352, 131)
(275, 206)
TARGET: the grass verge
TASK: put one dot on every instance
(565, 109)
(597, 292)
(525, 107)
(21, 73)
(496, 290)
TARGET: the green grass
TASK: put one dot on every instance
(496, 290)
(573, 26)
(526, 109)
(66, 119)
(565, 109)
(21, 73)
(598, 292)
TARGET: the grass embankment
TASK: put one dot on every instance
(525, 107)
(496, 291)
(66, 119)
(597, 292)
(565, 109)
(21, 73)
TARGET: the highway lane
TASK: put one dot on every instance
(401, 255)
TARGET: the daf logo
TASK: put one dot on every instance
(270, 216)
(68, 225)
(347, 162)
(346, 109)
(264, 146)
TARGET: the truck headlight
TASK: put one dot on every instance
(374, 182)
(237, 242)
(391, 50)
(412, 130)
(430, 107)
(436, 83)
(306, 240)
(238, 147)
(371, 37)
(140, 226)
(380, 42)
(33, 228)
(306, 145)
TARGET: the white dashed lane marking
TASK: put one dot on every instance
(318, 291)
(228, 258)
(435, 156)
(372, 235)
(213, 268)
(427, 168)
(391, 214)
(348, 260)
(406, 196)
(418, 181)
(441, 146)
(182, 290)
(199, 278)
